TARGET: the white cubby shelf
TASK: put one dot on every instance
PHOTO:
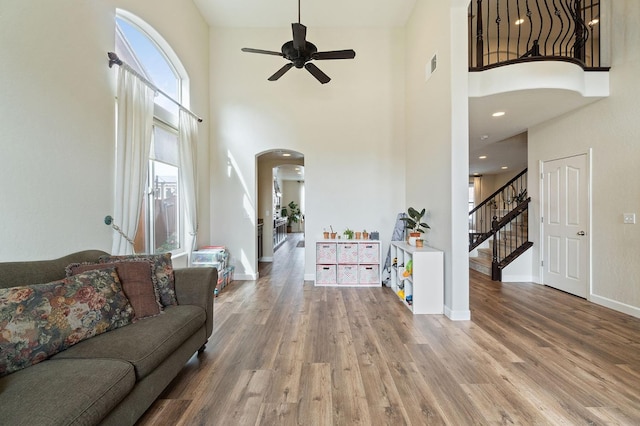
(353, 263)
(423, 290)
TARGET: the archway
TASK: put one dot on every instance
(280, 181)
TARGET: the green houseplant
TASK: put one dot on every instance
(348, 233)
(292, 214)
(414, 224)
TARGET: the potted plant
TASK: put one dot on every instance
(365, 234)
(292, 214)
(519, 197)
(333, 233)
(358, 235)
(348, 233)
(413, 223)
(419, 242)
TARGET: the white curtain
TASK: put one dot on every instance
(134, 127)
(477, 190)
(187, 143)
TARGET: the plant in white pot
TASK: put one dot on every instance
(414, 225)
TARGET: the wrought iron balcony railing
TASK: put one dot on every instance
(503, 32)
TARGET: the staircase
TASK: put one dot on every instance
(499, 229)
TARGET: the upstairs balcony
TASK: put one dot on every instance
(506, 32)
(534, 59)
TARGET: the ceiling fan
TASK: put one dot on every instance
(299, 52)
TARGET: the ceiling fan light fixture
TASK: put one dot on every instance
(299, 52)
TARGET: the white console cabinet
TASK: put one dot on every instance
(348, 263)
(422, 291)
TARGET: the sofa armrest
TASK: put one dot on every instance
(194, 286)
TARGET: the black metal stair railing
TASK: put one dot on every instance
(502, 32)
(503, 218)
(510, 238)
(497, 204)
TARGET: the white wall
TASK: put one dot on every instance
(437, 138)
(349, 130)
(492, 182)
(57, 118)
(610, 128)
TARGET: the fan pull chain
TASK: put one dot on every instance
(298, 11)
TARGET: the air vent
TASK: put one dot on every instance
(431, 66)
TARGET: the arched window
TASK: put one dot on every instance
(138, 45)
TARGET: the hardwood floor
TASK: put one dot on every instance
(284, 352)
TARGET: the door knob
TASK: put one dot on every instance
(581, 233)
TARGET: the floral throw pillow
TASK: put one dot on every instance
(138, 282)
(37, 321)
(163, 268)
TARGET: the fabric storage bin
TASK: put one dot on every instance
(369, 253)
(326, 253)
(347, 274)
(326, 274)
(347, 252)
(369, 274)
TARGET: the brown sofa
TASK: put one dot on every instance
(111, 378)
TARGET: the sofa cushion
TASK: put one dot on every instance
(37, 321)
(64, 392)
(145, 343)
(138, 283)
(163, 273)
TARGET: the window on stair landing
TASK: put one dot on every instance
(472, 192)
(137, 44)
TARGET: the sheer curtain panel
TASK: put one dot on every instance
(133, 141)
(187, 143)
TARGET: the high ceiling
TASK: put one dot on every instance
(502, 141)
(325, 13)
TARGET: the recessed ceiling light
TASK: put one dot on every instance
(520, 21)
(476, 174)
(286, 154)
(484, 137)
(482, 157)
(498, 114)
(504, 167)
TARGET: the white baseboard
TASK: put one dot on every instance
(266, 259)
(457, 315)
(310, 277)
(516, 278)
(245, 277)
(634, 311)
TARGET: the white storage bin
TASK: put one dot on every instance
(347, 252)
(369, 274)
(369, 253)
(326, 274)
(347, 274)
(326, 253)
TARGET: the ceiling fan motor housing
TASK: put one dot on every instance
(298, 57)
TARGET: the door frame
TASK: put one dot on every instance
(543, 248)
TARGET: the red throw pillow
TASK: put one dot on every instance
(138, 283)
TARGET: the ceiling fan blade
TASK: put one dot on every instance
(335, 54)
(317, 73)
(264, 52)
(280, 72)
(299, 36)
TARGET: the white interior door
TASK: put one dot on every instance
(566, 224)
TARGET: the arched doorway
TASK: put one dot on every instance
(280, 181)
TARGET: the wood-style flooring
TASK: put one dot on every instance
(284, 352)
